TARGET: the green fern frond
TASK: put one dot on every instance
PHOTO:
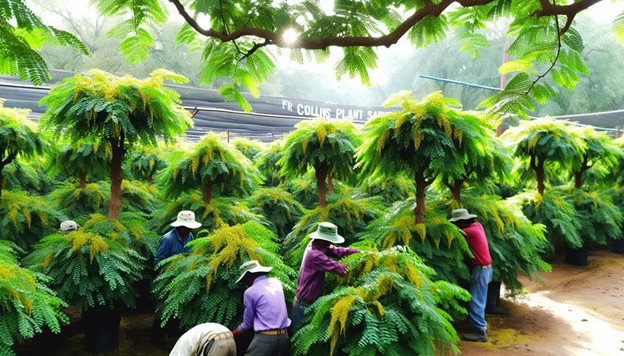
(208, 274)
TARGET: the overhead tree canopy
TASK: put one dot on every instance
(236, 37)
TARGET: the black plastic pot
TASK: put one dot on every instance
(493, 295)
(576, 256)
(616, 246)
(101, 328)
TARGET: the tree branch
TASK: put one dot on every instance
(274, 38)
(430, 9)
(570, 11)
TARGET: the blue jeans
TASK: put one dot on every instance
(479, 281)
(298, 314)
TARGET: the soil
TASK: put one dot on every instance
(570, 311)
(573, 311)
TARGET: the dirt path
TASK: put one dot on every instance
(575, 311)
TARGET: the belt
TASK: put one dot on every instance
(484, 267)
(223, 335)
(274, 332)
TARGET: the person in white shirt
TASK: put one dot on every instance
(207, 339)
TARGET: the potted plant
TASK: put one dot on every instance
(28, 305)
(385, 303)
(548, 150)
(93, 269)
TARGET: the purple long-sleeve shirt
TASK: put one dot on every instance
(265, 306)
(313, 267)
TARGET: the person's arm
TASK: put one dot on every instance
(248, 314)
(340, 252)
(323, 263)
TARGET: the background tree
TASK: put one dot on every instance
(424, 140)
(327, 146)
(146, 162)
(212, 166)
(79, 159)
(21, 35)
(540, 143)
(545, 41)
(599, 158)
(119, 111)
(18, 136)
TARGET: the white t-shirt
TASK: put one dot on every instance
(192, 340)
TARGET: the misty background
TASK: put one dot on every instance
(399, 67)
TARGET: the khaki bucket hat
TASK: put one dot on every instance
(328, 232)
(252, 266)
(461, 214)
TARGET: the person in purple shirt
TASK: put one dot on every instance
(265, 312)
(316, 261)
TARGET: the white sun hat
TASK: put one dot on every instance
(252, 266)
(68, 225)
(186, 218)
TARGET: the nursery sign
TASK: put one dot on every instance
(300, 108)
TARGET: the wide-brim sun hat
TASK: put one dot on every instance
(461, 214)
(186, 218)
(328, 232)
(252, 266)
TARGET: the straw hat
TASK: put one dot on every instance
(186, 218)
(252, 266)
(328, 232)
(461, 214)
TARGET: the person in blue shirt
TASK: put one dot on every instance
(172, 243)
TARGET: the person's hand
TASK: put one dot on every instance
(235, 332)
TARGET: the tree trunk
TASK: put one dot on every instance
(456, 189)
(421, 185)
(539, 170)
(114, 206)
(330, 184)
(578, 175)
(321, 175)
(207, 192)
(83, 180)
(150, 180)
(3, 163)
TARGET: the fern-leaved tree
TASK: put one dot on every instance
(28, 305)
(388, 304)
(119, 111)
(200, 287)
(327, 146)
(18, 136)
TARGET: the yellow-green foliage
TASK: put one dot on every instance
(18, 136)
(437, 241)
(392, 308)
(200, 287)
(95, 265)
(212, 166)
(17, 284)
(25, 217)
(320, 143)
(26, 303)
